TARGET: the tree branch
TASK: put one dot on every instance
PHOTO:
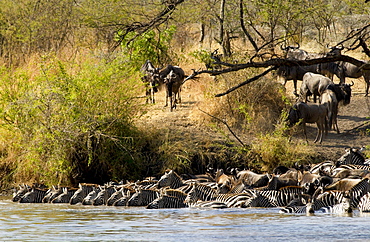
(141, 28)
(236, 137)
(247, 81)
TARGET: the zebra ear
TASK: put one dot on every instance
(79, 185)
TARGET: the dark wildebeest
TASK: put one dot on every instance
(347, 69)
(296, 72)
(173, 81)
(155, 77)
(309, 113)
(329, 98)
(151, 80)
(313, 84)
(333, 95)
(295, 53)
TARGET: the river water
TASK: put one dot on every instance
(64, 222)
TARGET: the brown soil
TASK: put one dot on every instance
(186, 120)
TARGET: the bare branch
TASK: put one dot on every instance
(141, 28)
(247, 81)
(236, 137)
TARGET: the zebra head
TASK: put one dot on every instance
(23, 189)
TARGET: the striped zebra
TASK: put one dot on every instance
(142, 197)
(52, 193)
(201, 192)
(307, 209)
(122, 201)
(120, 192)
(209, 204)
(364, 203)
(323, 168)
(276, 198)
(34, 196)
(170, 179)
(236, 200)
(358, 191)
(147, 184)
(104, 194)
(174, 193)
(81, 193)
(352, 156)
(88, 200)
(65, 196)
(356, 167)
(329, 199)
(23, 189)
(165, 201)
(345, 206)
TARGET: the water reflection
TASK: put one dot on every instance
(62, 222)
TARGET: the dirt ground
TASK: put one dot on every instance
(186, 121)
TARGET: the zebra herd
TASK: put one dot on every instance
(333, 187)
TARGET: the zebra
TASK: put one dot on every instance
(296, 209)
(209, 204)
(142, 197)
(276, 198)
(170, 179)
(358, 191)
(81, 193)
(364, 203)
(52, 193)
(104, 194)
(201, 192)
(325, 166)
(205, 193)
(119, 193)
(88, 200)
(165, 201)
(352, 156)
(34, 196)
(234, 200)
(147, 184)
(65, 196)
(328, 199)
(356, 167)
(23, 189)
(174, 193)
(345, 206)
(122, 201)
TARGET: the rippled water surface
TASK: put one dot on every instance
(51, 222)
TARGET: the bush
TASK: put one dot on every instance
(70, 126)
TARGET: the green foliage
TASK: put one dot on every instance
(151, 45)
(72, 124)
(277, 148)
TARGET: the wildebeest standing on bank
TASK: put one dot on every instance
(151, 80)
(333, 95)
(352, 71)
(313, 84)
(155, 77)
(173, 77)
(310, 113)
(173, 86)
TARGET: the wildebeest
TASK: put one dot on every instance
(329, 98)
(171, 76)
(296, 72)
(173, 82)
(313, 84)
(309, 113)
(295, 53)
(151, 80)
(352, 71)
